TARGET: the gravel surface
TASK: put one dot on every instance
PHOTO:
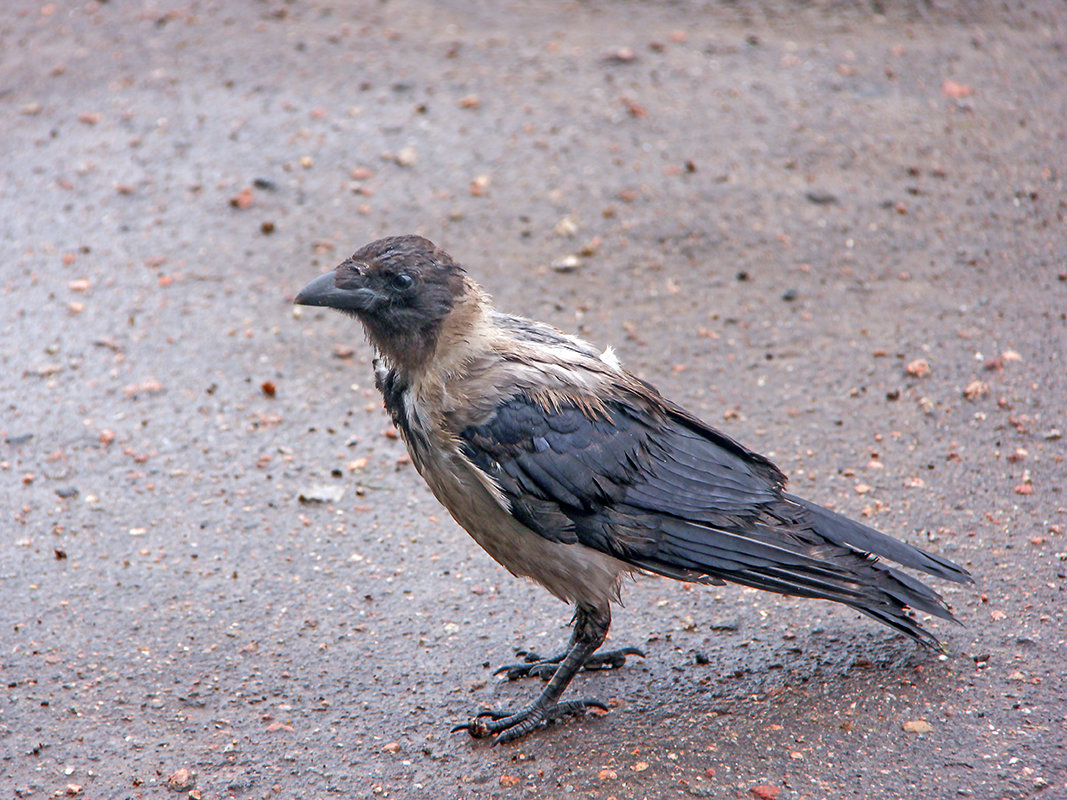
(836, 230)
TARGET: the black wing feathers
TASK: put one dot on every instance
(843, 530)
(649, 484)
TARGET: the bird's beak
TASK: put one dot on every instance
(322, 291)
(348, 296)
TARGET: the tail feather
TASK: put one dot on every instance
(847, 532)
(803, 549)
(906, 625)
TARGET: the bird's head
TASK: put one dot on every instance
(401, 288)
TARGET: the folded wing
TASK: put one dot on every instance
(651, 485)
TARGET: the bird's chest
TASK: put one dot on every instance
(466, 492)
(414, 427)
(572, 572)
(428, 415)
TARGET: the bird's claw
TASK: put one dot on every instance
(612, 659)
(534, 666)
(506, 726)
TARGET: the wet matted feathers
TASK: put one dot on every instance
(569, 470)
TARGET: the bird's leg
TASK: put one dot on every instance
(590, 628)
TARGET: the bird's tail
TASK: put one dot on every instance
(847, 532)
(894, 590)
(803, 549)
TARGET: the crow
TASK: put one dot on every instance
(570, 470)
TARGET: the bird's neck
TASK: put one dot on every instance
(439, 352)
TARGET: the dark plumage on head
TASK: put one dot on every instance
(401, 288)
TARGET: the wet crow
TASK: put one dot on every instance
(568, 469)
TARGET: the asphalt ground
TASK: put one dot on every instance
(833, 229)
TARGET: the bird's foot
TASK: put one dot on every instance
(506, 726)
(535, 666)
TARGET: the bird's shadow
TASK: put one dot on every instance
(730, 679)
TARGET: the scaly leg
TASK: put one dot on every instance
(590, 628)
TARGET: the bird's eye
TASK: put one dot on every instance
(402, 281)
